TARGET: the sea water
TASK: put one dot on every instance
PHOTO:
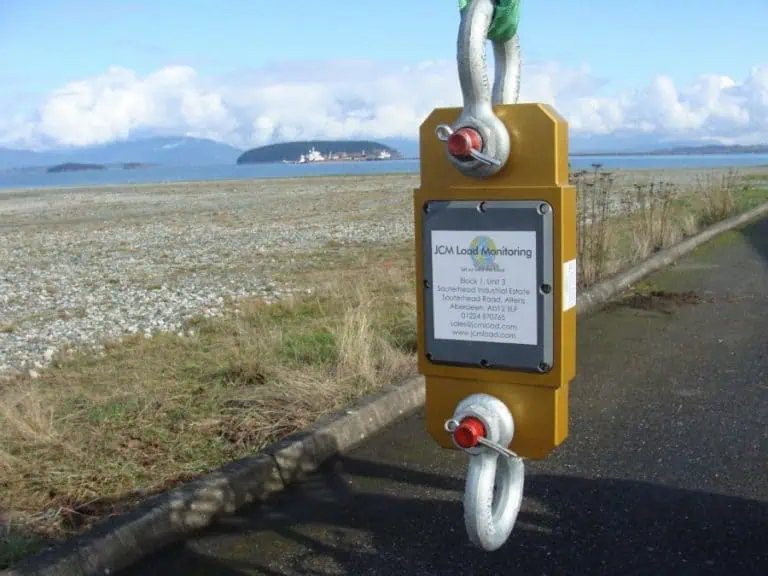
(162, 174)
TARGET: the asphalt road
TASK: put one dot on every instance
(665, 470)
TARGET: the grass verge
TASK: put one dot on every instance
(94, 434)
(618, 227)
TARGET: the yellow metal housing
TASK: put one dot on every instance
(537, 169)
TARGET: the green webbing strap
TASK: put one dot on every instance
(506, 18)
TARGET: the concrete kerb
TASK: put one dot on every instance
(167, 518)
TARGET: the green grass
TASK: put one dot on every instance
(752, 197)
(16, 545)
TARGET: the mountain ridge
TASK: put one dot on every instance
(165, 150)
(707, 149)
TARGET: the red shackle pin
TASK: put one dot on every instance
(469, 432)
(465, 144)
(462, 142)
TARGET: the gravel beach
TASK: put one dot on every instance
(83, 265)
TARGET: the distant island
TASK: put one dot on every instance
(319, 151)
(78, 167)
(688, 151)
(74, 167)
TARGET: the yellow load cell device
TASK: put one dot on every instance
(495, 227)
(496, 278)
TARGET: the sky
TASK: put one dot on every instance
(250, 72)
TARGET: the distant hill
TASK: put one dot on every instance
(709, 149)
(630, 144)
(290, 151)
(716, 149)
(12, 158)
(168, 151)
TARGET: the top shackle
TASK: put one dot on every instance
(478, 142)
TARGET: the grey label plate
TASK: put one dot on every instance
(488, 284)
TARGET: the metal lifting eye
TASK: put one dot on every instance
(478, 143)
(493, 494)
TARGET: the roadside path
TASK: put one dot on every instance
(665, 470)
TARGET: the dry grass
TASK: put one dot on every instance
(652, 215)
(94, 434)
(719, 195)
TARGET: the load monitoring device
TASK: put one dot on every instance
(496, 278)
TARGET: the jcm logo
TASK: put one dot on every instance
(482, 250)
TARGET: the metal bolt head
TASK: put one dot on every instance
(443, 132)
(544, 209)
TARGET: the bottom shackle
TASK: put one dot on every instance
(483, 427)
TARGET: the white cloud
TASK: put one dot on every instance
(367, 99)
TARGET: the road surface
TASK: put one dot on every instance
(665, 470)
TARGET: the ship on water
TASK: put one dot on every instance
(313, 155)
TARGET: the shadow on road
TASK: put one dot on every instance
(568, 526)
(757, 235)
